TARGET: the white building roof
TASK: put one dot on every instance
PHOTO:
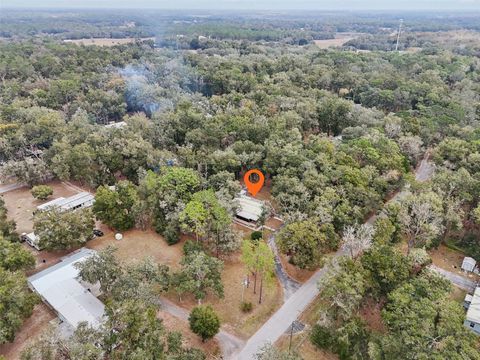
(59, 287)
(473, 313)
(250, 208)
(50, 204)
(70, 202)
(77, 199)
(116, 125)
(468, 263)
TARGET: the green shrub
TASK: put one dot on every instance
(256, 235)
(41, 192)
(171, 234)
(191, 246)
(246, 306)
(204, 322)
(322, 337)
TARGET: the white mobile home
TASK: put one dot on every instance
(60, 288)
(77, 201)
(50, 204)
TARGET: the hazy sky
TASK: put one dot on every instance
(252, 4)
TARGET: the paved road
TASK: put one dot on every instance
(279, 323)
(10, 187)
(229, 343)
(456, 279)
(289, 285)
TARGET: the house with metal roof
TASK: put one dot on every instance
(249, 211)
(72, 300)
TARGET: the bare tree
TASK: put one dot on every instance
(356, 239)
(421, 218)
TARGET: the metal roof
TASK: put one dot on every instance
(52, 203)
(250, 208)
(473, 312)
(59, 287)
(68, 203)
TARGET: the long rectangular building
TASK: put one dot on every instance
(77, 201)
(60, 288)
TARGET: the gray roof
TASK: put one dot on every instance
(250, 208)
(68, 203)
(59, 287)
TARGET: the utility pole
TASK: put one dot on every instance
(398, 34)
(291, 335)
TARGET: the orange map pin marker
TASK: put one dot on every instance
(254, 187)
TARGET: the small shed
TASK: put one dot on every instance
(468, 264)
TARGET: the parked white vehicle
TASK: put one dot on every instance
(32, 240)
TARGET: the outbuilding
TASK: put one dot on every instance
(468, 264)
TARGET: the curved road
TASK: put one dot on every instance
(279, 323)
(289, 285)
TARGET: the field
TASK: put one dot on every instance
(340, 39)
(137, 244)
(106, 41)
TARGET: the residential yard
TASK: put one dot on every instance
(451, 260)
(228, 308)
(302, 345)
(20, 203)
(137, 244)
(210, 347)
(30, 330)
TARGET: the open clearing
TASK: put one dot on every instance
(137, 244)
(340, 39)
(106, 41)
